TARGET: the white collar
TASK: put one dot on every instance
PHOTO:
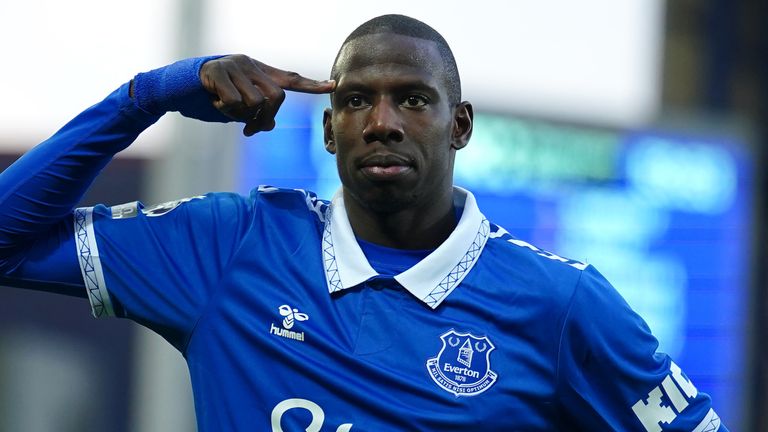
(432, 278)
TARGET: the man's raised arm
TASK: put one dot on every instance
(39, 191)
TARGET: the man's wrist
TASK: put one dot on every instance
(176, 87)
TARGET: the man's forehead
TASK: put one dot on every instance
(381, 48)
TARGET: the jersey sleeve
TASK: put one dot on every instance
(40, 189)
(159, 266)
(40, 247)
(610, 375)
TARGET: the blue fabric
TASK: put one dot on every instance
(39, 191)
(388, 261)
(177, 87)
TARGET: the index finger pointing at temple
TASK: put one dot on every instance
(295, 82)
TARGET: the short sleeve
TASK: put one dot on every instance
(159, 265)
(611, 377)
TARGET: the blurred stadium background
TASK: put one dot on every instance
(630, 135)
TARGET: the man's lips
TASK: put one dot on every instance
(385, 166)
(383, 173)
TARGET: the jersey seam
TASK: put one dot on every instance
(209, 299)
(209, 302)
(565, 318)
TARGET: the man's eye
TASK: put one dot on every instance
(355, 101)
(415, 101)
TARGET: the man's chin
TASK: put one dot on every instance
(388, 199)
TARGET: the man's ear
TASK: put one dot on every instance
(463, 116)
(330, 144)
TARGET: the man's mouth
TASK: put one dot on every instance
(385, 166)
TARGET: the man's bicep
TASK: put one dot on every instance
(158, 265)
(48, 263)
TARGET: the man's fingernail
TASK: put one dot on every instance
(258, 112)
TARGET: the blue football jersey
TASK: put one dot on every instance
(286, 326)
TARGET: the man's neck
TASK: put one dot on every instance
(416, 227)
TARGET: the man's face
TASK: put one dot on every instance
(391, 125)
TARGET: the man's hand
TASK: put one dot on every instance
(249, 91)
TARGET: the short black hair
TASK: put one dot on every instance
(407, 26)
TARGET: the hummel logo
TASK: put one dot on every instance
(291, 316)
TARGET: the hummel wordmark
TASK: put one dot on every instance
(291, 316)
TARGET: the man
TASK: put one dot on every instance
(396, 306)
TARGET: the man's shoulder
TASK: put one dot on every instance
(516, 250)
(271, 198)
(261, 201)
(517, 266)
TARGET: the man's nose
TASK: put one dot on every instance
(384, 123)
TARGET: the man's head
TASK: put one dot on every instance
(407, 26)
(396, 118)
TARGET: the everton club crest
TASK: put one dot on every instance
(463, 365)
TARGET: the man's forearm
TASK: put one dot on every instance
(43, 186)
